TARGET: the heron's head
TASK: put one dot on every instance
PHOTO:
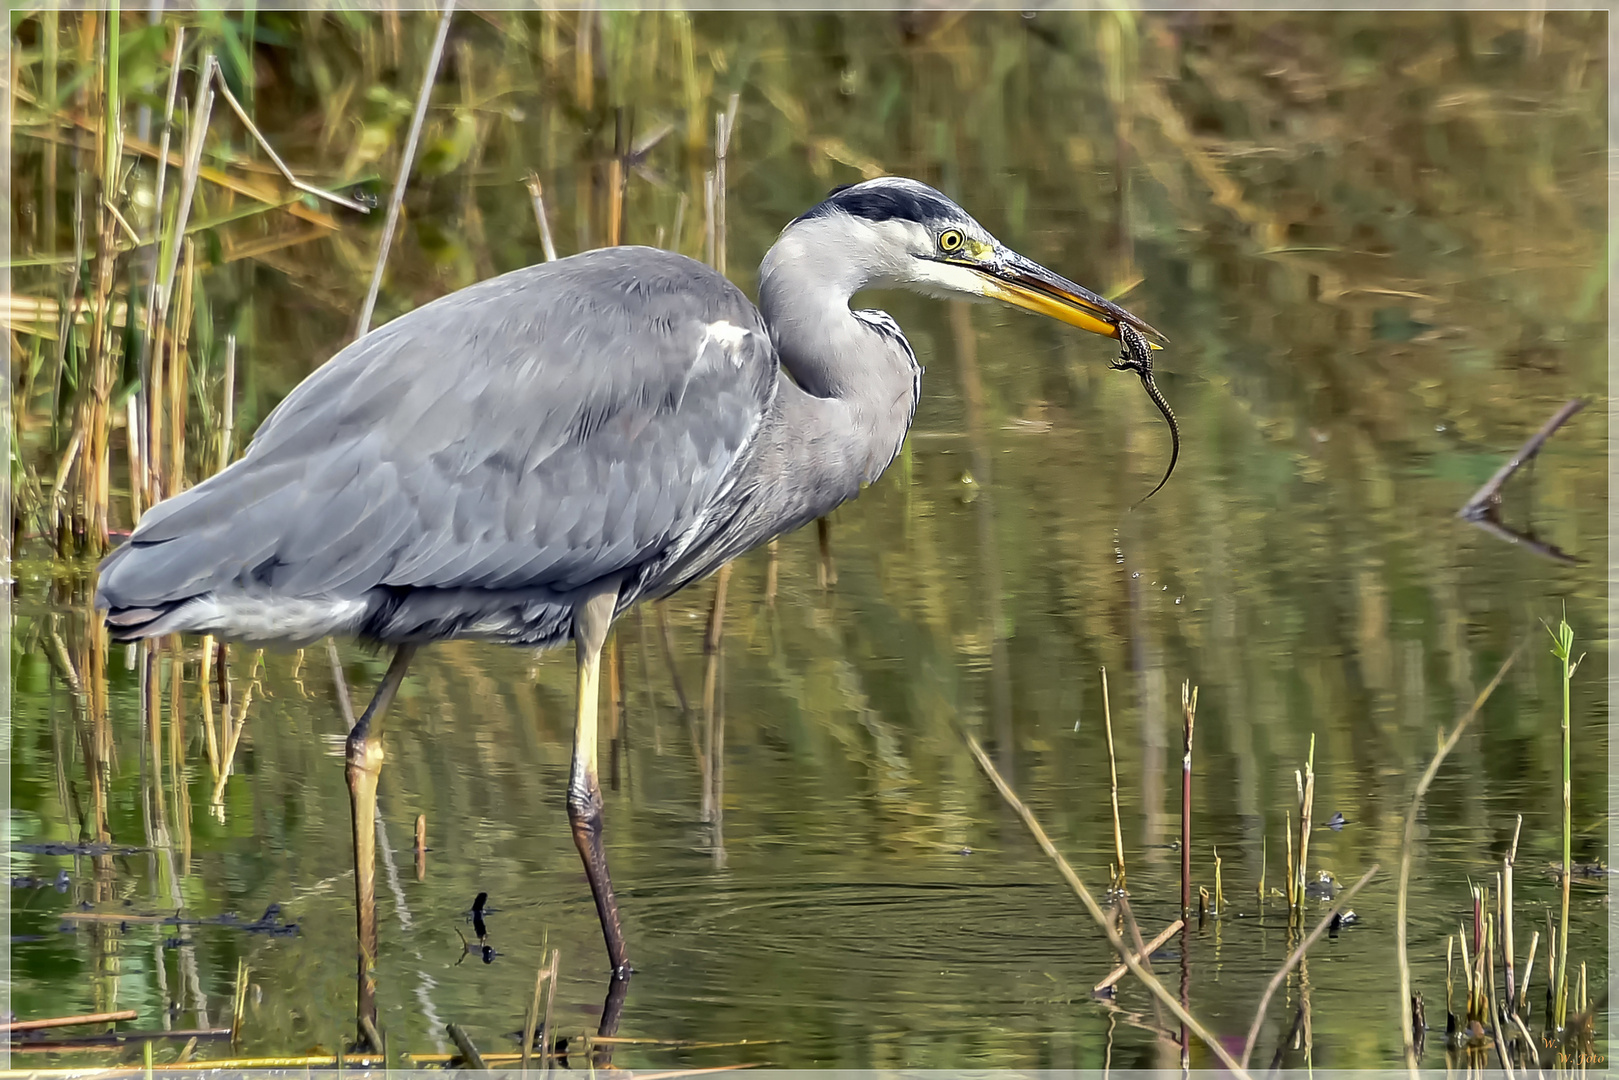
(892, 231)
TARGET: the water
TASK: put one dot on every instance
(1375, 244)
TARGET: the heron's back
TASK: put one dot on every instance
(465, 469)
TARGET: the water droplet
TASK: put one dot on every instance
(1178, 599)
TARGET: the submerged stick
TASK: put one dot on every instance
(1137, 357)
(1293, 961)
(1096, 912)
(406, 160)
(463, 1043)
(1400, 902)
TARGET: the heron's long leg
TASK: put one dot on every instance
(591, 621)
(363, 759)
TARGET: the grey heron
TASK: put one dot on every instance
(524, 459)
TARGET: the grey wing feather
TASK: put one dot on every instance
(542, 429)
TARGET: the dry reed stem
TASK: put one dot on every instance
(142, 390)
(1295, 958)
(1287, 834)
(227, 420)
(188, 184)
(233, 732)
(1306, 786)
(550, 1004)
(531, 1019)
(1189, 722)
(70, 1021)
(1505, 878)
(397, 198)
(211, 741)
(1405, 855)
(547, 244)
(1142, 953)
(1113, 780)
(178, 371)
(1096, 913)
(1528, 970)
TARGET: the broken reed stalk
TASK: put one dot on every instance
(1113, 785)
(537, 194)
(1306, 787)
(531, 1019)
(1219, 890)
(1488, 995)
(1293, 961)
(550, 1003)
(1264, 845)
(1095, 911)
(1506, 912)
(232, 733)
(1189, 720)
(1522, 999)
(1563, 649)
(239, 995)
(724, 126)
(1142, 953)
(227, 407)
(363, 324)
(1401, 898)
(1287, 834)
(617, 179)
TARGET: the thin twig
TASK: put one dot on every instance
(1490, 494)
(258, 136)
(1405, 854)
(342, 684)
(1099, 915)
(364, 324)
(1152, 946)
(1294, 959)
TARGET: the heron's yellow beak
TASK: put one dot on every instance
(1024, 283)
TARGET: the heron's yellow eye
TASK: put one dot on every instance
(950, 241)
